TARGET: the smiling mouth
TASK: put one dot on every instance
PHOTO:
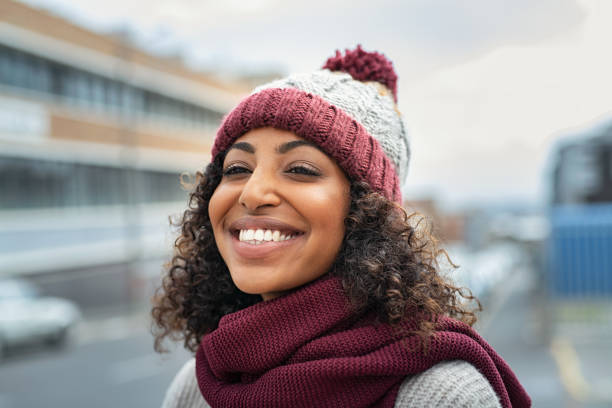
(262, 236)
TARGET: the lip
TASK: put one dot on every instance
(265, 249)
(262, 223)
(250, 251)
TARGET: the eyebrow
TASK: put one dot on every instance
(282, 149)
(285, 147)
(245, 147)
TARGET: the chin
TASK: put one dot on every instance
(255, 282)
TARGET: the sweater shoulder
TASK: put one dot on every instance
(184, 392)
(455, 383)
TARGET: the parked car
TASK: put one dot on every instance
(28, 317)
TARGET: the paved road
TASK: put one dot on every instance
(509, 328)
(110, 364)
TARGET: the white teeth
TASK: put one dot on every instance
(259, 236)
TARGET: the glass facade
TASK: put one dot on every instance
(34, 183)
(583, 172)
(85, 89)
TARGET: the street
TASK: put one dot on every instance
(508, 326)
(110, 363)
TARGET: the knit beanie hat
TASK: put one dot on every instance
(347, 108)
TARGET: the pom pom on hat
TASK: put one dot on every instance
(365, 66)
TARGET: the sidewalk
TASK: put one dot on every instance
(506, 325)
(582, 346)
(560, 372)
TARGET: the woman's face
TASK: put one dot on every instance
(278, 213)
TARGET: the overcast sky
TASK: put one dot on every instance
(485, 86)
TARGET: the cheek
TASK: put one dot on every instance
(213, 208)
(339, 204)
(218, 206)
(327, 213)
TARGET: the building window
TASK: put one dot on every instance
(28, 183)
(26, 71)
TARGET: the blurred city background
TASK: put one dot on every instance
(104, 107)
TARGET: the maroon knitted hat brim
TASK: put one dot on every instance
(313, 118)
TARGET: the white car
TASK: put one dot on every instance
(26, 317)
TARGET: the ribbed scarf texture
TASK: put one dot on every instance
(308, 348)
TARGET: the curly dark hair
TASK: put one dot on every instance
(388, 262)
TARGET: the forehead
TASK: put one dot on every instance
(268, 136)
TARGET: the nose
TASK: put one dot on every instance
(260, 190)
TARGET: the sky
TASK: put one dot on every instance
(486, 87)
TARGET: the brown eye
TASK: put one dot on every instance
(235, 169)
(303, 170)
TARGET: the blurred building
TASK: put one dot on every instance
(94, 134)
(580, 244)
(582, 170)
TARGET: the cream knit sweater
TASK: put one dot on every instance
(451, 384)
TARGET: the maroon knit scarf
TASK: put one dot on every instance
(308, 349)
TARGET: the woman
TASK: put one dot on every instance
(298, 280)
